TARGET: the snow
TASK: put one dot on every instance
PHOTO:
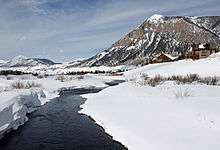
(2, 61)
(21, 61)
(201, 46)
(15, 105)
(18, 60)
(153, 118)
(101, 55)
(171, 57)
(155, 18)
(144, 117)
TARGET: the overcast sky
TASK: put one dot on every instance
(64, 30)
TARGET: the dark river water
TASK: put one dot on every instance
(58, 126)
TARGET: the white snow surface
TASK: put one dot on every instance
(170, 56)
(201, 46)
(155, 18)
(162, 118)
(143, 117)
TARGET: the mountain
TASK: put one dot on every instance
(22, 61)
(2, 62)
(174, 35)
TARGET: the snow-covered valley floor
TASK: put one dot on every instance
(169, 116)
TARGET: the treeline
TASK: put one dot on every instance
(15, 72)
(91, 72)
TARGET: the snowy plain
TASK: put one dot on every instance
(162, 117)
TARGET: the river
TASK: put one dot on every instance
(58, 126)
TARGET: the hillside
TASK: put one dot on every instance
(22, 61)
(174, 35)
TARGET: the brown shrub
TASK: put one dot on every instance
(156, 80)
(24, 85)
(209, 80)
(61, 78)
(80, 77)
(188, 79)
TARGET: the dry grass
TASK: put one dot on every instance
(210, 80)
(61, 78)
(156, 80)
(80, 77)
(64, 78)
(183, 93)
(188, 79)
(9, 78)
(24, 85)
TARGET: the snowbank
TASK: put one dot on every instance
(14, 106)
(144, 117)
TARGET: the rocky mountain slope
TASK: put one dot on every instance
(173, 35)
(21, 61)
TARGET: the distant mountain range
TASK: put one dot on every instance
(2, 62)
(22, 61)
(173, 35)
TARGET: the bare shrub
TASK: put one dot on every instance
(9, 78)
(182, 93)
(193, 77)
(144, 76)
(188, 79)
(18, 85)
(40, 76)
(156, 80)
(80, 77)
(209, 80)
(24, 85)
(60, 78)
(31, 84)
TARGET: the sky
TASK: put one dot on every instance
(64, 30)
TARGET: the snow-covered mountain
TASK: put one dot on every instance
(174, 35)
(22, 61)
(2, 62)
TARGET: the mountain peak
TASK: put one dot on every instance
(22, 61)
(172, 35)
(155, 18)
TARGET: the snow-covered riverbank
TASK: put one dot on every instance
(144, 117)
(169, 116)
(16, 103)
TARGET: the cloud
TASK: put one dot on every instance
(80, 27)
